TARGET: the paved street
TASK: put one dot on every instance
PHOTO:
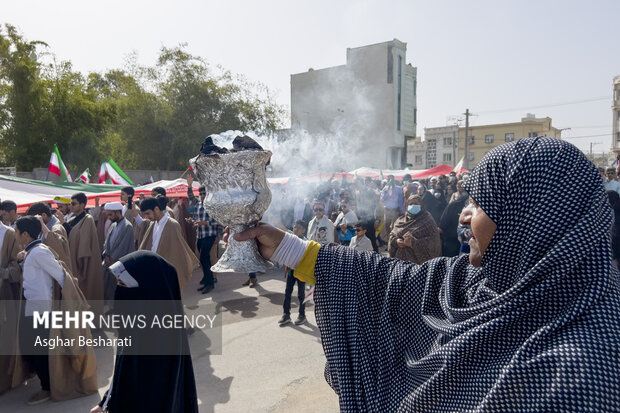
(262, 368)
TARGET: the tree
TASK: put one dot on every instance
(144, 117)
(23, 100)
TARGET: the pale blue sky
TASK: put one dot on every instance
(481, 55)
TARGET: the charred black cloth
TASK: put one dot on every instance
(152, 383)
(208, 147)
(245, 143)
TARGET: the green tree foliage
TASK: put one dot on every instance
(143, 117)
(23, 99)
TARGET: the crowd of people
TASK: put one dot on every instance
(65, 250)
(377, 214)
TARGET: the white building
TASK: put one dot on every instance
(616, 117)
(416, 153)
(442, 145)
(369, 103)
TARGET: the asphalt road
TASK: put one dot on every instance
(258, 367)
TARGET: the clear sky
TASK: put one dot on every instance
(488, 56)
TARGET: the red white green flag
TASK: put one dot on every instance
(57, 167)
(85, 177)
(110, 171)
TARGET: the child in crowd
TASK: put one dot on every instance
(360, 241)
(298, 229)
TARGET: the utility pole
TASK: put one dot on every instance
(454, 154)
(466, 158)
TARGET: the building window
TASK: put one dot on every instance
(509, 137)
(447, 141)
(489, 139)
(617, 136)
(418, 159)
(472, 140)
(470, 156)
(532, 134)
(415, 115)
(447, 157)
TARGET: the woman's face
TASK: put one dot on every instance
(421, 190)
(482, 228)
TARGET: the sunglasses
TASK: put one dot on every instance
(359, 229)
(319, 209)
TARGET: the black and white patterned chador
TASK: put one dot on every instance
(536, 328)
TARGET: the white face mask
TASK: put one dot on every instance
(414, 209)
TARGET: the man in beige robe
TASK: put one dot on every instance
(85, 251)
(53, 234)
(10, 293)
(164, 237)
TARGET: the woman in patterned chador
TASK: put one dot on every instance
(528, 321)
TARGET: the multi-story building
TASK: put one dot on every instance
(416, 153)
(442, 144)
(369, 103)
(483, 138)
(615, 145)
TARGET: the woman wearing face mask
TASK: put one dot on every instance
(528, 321)
(414, 236)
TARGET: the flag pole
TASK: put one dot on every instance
(184, 172)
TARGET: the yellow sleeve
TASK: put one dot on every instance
(305, 269)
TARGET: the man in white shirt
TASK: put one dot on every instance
(164, 237)
(612, 183)
(40, 268)
(320, 229)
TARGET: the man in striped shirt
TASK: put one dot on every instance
(207, 234)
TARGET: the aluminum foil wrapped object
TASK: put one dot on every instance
(237, 196)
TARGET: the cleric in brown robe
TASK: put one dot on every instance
(165, 238)
(53, 234)
(10, 289)
(85, 251)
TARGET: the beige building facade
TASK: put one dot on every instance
(483, 138)
(442, 144)
(416, 153)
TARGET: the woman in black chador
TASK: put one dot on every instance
(162, 380)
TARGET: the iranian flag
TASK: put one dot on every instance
(84, 177)
(57, 167)
(459, 165)
(110, 170)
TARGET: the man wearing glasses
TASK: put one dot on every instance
(320, 228)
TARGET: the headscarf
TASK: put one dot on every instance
(535, 328)
(152, 382)
(422, 227)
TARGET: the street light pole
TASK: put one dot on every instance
(466, 158)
